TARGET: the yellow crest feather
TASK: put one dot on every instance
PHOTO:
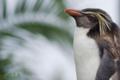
(103, 23)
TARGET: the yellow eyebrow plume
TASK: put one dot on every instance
(103, 23)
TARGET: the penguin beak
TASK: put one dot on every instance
(72, 12)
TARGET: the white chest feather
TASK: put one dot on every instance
(86, 55)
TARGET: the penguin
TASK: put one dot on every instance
(96, 44)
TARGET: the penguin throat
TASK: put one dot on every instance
(86, 54)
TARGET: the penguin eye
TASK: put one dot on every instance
(92, 18)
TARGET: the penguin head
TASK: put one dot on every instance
(90, 17)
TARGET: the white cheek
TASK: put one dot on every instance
(86, 55)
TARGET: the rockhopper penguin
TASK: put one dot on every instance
(96, 44)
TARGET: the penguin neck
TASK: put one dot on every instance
(86, 54)
(81, 31)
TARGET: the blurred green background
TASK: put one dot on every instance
(35, 40)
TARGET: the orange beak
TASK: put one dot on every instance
(72, 12)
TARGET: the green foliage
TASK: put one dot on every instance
(4, 8)
(51, 31)
(4, 63)
(37, 5)
(21, 6)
